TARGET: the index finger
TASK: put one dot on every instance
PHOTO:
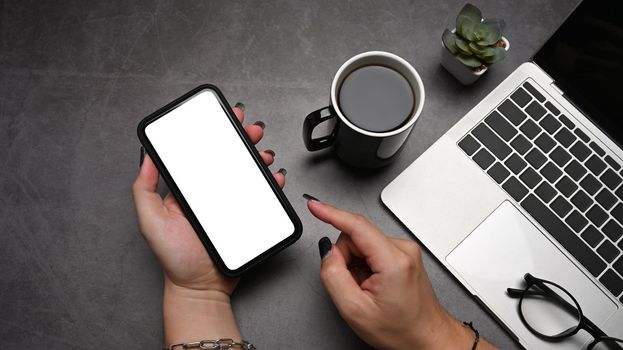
(239, 111)
(373, 245)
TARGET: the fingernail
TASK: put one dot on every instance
(261, 124)
(271, 152)
(282, 171)
(240, 106)
(142, 158)
(324, 246)
(309, 197)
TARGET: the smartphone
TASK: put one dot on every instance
(219, 179)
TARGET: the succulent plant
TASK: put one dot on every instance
(476, 42)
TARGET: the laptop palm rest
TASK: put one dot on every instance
(503, 248)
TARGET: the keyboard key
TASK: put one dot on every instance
(545, 143)
(550, 124)
(592, 236)
(536, 158)
(469, 145)
(582, 201)
(568, 123)
(515, 163)
(613, 163)
(530, 129)
(483, 158)
(597, 149)
(534, 91)
(560, 156)
(530, 177)
(576, 220)
(501, 126)
(535, 110)
(612, 282)
(580, 151)
(595, 165)
(613, 230)
(608, 251)
(565, 137)
(617, 213)
(515, 189)
(545, 191)
(561, 233)
(560, 206)
(606, 199)
(498, 172)
(491, 141)
(551, 172)
(575, 170)
(521, 144)
(581, 135)
(590, 184)
(521, 97)
(619, 192)
(551, 108)
(618, 266)
(512, 112)
(610, 179)
(566, 186)
(597, 215)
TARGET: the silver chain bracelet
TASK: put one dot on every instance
(220, 344)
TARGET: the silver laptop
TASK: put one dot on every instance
(531, 181)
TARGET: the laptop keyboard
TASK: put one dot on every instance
(559, 175)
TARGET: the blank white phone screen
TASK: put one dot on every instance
(219, 179)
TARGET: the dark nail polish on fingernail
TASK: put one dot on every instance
(142, 158)
(240, 106)
(309, 197)
(271, 152)
(282, 171)
(324, 245)
(261, 124)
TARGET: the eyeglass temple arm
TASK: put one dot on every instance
(514, 292)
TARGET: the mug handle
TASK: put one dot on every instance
(312, 120)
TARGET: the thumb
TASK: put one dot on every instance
(339, 282)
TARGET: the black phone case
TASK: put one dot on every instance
(298, 227)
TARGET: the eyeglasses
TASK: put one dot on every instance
(551, 313)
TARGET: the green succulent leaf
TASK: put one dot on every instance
(467, 30)
(467, 21)
(498, 55)
(481, 51)
(449, 41)
(463, 46)
(470, 61)
(488, 32)
(469, 12)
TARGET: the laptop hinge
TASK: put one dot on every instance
(553, 85)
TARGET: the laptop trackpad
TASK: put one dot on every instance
(503, 248)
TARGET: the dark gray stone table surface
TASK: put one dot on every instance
(77, 76)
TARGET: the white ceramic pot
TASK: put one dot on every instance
(464, 74)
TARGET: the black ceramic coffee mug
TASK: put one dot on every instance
(376, 98)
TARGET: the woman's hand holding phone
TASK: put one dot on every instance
(196, 295)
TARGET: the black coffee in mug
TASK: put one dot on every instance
(376, 98)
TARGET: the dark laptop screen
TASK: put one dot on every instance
(585, 58)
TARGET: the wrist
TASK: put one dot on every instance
(192, 315)
(453, 334)
(444, 332)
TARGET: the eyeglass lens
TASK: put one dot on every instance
(549, 314)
